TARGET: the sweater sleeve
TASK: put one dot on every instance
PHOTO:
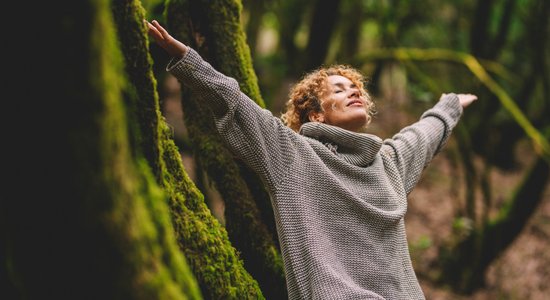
(252, 133)
(415, 145)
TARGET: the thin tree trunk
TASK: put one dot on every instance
(142, 98)
(349, 41)
(256, 10)
(290, 14)
(325, 15)
(479, 32)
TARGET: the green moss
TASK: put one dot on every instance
(149, 242)
(215, 262)
(231, 52)
(144, 232)
(142, 98)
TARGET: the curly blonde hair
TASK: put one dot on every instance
(306, 95)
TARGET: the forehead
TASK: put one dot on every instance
(338, 80)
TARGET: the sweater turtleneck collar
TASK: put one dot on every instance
(358, 149)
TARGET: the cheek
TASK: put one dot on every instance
(333, 104)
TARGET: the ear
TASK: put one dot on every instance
(316, 117)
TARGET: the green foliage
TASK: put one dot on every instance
(423, 243)
(462, 227)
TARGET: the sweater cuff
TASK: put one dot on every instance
(448, 108)
(184, 67)
(451, 105)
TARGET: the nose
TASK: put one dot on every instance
(354, 92)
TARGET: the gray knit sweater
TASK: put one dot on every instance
(339, 197)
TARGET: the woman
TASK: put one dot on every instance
(339, 195)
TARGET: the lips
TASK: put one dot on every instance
(355, 103)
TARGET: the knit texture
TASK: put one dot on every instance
(339, 197)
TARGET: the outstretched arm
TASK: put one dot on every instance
(414, 146)
(172, 46)
(252, 133)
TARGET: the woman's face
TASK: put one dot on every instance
(343, 105)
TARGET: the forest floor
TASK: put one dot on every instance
(521, 272)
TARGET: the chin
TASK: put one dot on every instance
(356, 126)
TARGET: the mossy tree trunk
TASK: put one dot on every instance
(82, 216)
(215, 263)
(213, 28)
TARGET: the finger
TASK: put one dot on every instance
(161, 29)
(155, 33)
(149, 25)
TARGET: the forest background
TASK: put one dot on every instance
(118, 186)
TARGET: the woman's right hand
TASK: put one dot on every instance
(466, 99)
(174, 47)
